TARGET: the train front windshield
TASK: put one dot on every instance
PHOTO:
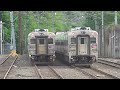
(73, 40)
(32, 41)
(50, 41)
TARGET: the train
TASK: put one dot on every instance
(41, 46)
(78, 46)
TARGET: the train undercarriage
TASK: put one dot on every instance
(42, 59)
(79, 60)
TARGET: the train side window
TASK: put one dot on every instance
(82, 41)
(92, 40)
(41, 41)
(50, 41)
(73, 40)
(32, 41)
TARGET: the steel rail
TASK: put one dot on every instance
(10, 68)
(114, 77)
(60, 76)
(5, 59)
(116, 65)
(38, 72)
(86, 73)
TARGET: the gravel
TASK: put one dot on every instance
(70, 73)
(47, 73)
(108, 69)
(23, 69)
(8, 62)
(58, 63)
(22, 73)
(96, 74)
(23, 61)
(3, 71)
(3, 57)
(5, 66)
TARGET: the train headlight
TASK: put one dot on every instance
(29, 55)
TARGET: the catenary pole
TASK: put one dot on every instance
(102, 34)
(1, 31)
(114, 31)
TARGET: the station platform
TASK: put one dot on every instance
(112, 60)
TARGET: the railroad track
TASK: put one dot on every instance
(5, 59)
(116, 65)
(95, 73)
(8, 71)
(47, 72)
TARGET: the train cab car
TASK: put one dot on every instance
(79, 46)
(41, 46)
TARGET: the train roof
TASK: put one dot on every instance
(41, 30)
(33, 34)
(80, 28)
(61, 35)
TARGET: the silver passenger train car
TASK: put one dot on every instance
(41, 46)
(79, 46)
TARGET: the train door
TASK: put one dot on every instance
(83, 45)
(42, 46)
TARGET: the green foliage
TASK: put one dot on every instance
(91, 16)
(63, 21)
(55, 21)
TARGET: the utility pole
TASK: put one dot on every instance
(13, 42)
(114, 31)
(115, 17)
(25, 32)
(102, 34)
(95, 24)
(20, 30)
(38, 20)
(52, 21)
(63, 20)
(1, 40)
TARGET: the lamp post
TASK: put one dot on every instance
(25, 32)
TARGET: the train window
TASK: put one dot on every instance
(41, 41)
(50, 41)
(92, 40)
(55, 43)
(33, 41)
(73, 40)
(62, 43)
(82, 41)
